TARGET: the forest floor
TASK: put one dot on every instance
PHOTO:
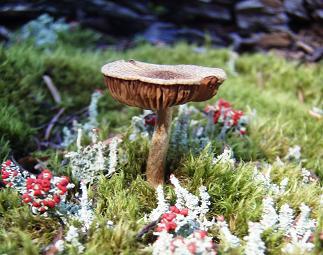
(277, 94)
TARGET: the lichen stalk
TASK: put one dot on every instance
(159, 147)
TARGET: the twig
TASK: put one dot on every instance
(146, 229)
(53, 90)
(51, 145)
(52, 123)
(307, 48)
(21, 169)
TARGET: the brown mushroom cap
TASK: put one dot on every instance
(155, 87)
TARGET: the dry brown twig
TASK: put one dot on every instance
(52, 88)
(52, 123)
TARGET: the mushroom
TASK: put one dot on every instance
(158, 88)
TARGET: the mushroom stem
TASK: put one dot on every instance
(158, 148)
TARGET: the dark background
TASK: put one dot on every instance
(293, 26)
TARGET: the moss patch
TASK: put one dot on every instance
(269, 84)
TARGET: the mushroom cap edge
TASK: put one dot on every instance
(146, 72)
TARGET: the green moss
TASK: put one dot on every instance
(266, 83)
(15, 132)
(270, 87)
(15, 235)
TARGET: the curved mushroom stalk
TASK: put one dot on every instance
(159, 147)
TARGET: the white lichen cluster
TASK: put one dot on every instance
(138, 126)
(162, 205)
(71, 134)
(299, 245)
(228, 240)
(167, 244)
(306, 175)
(283, 185)
(163, 244)
(297, 232)
(72, 239)
(85, 217)
(190, 222)
(197, 207)
(113, 155)
(254, 244)
(184, 199)
(285, 218)
(205, 202)
(264, 178)
(85, 214)
(294, 153)
(304, 222)
(93, 112)
(269, 215)
(226, 157)
(180, 134)
(88, 162)
(300, 233)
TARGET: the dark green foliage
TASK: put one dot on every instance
(15, 132)
(25, 97)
